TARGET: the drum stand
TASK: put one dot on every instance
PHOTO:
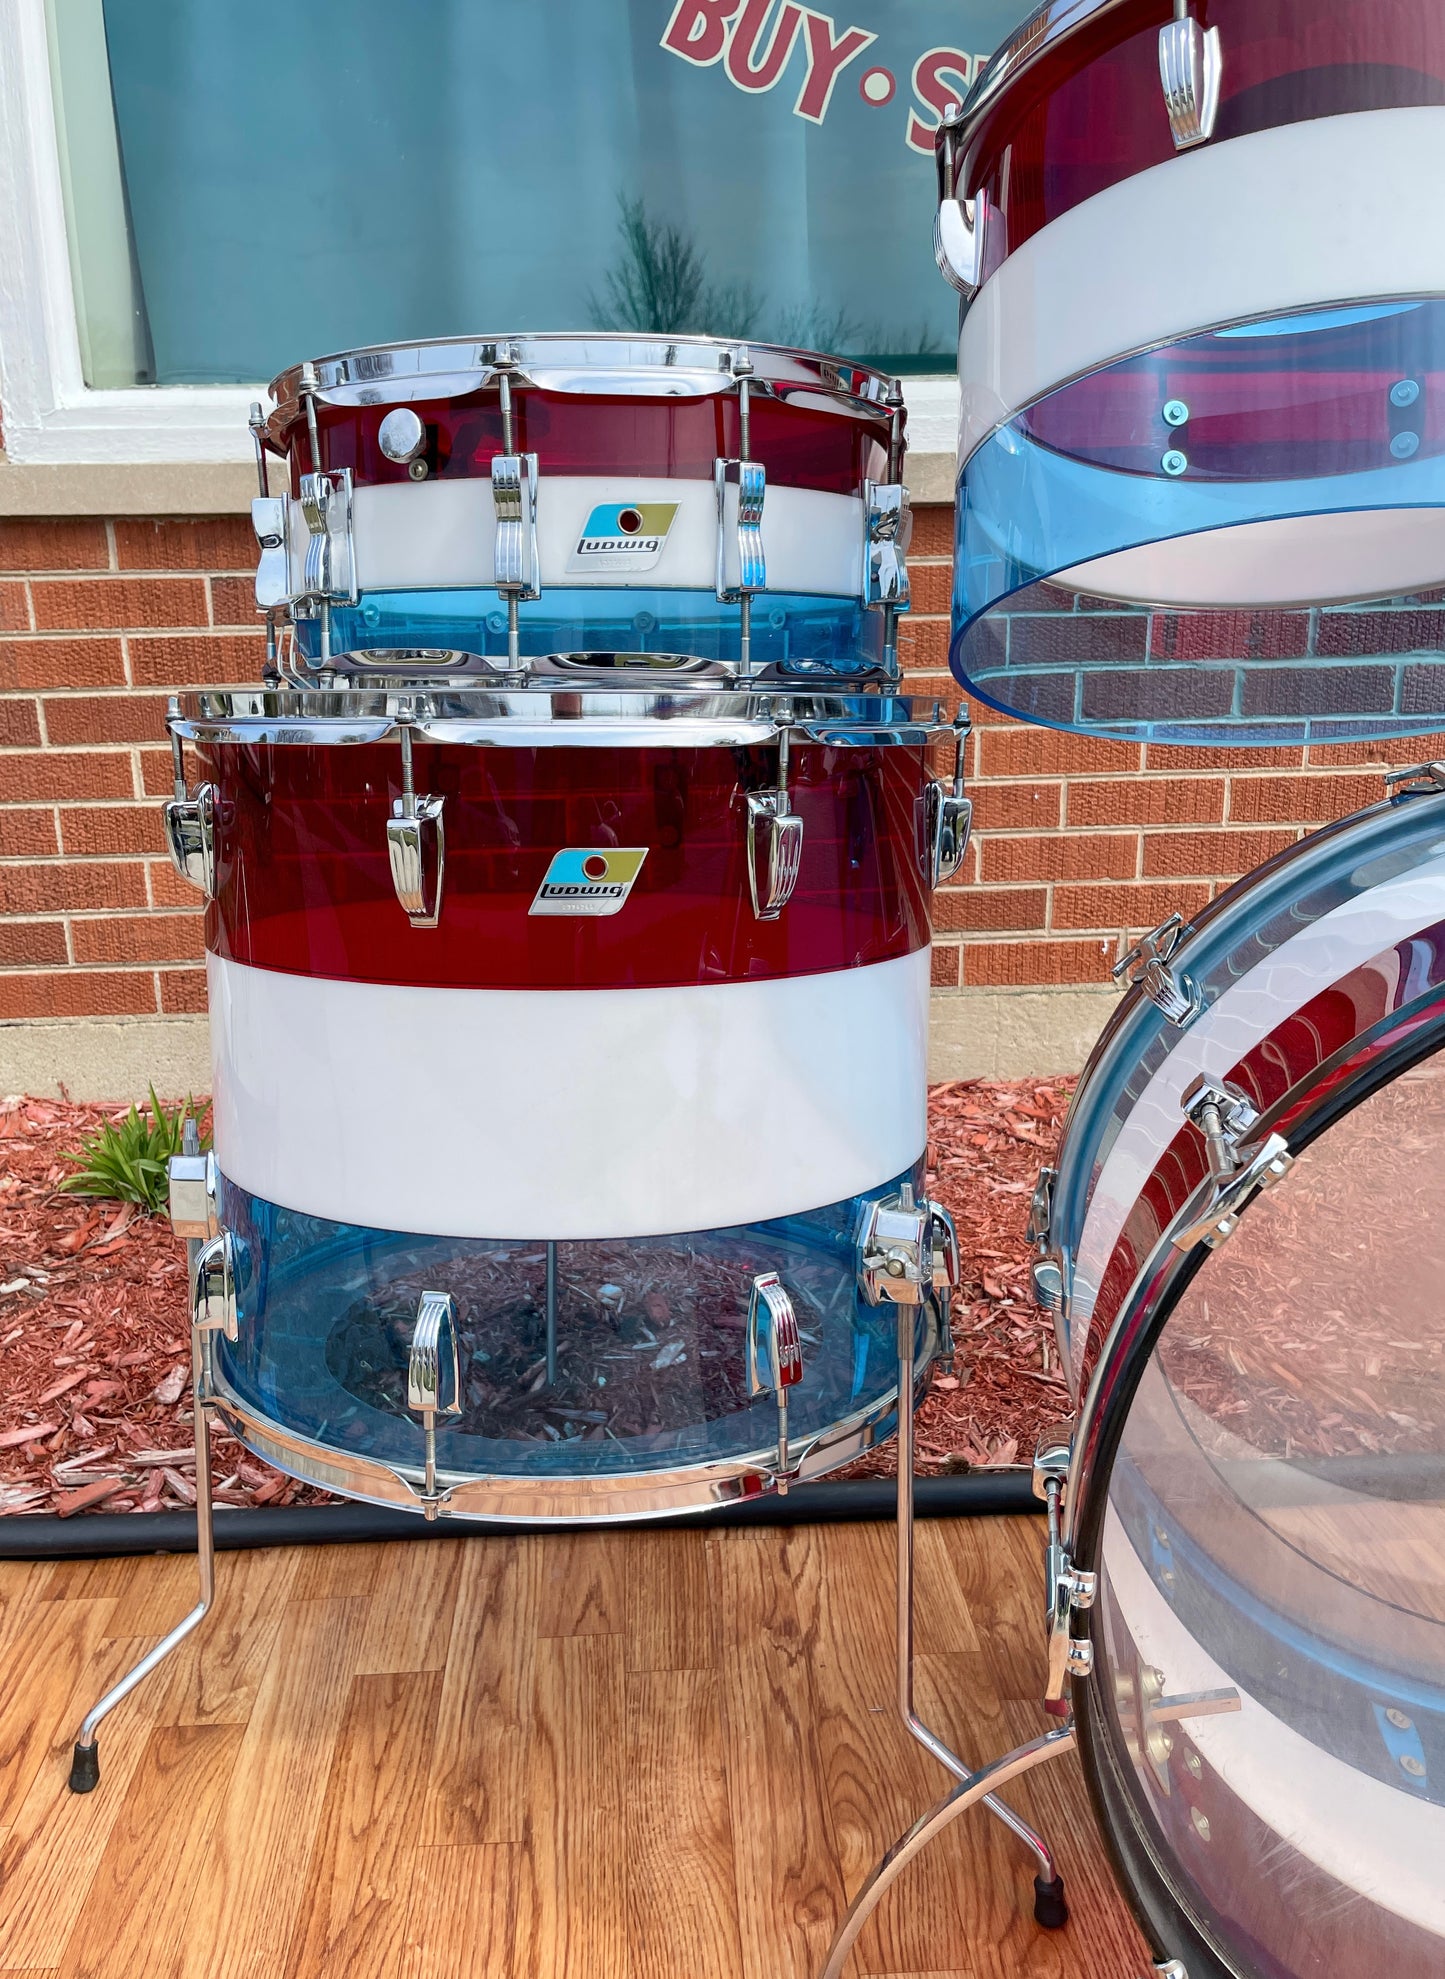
(1050, 1908)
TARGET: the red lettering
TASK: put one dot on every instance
(741, 67)
(827, 60)
(940, 77)
(698, 30)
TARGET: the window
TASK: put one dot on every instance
(219, 189)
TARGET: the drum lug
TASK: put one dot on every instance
(772, 819)
(190, 837)
(1191, 67)
(329, 574)
(750, 478)
(949, 817)
(1237, 1184)
(416, 846)
(958, 223)
(273, 572)
(213, 1287)
(435, 1315)
(775, 1359)
(889, 526)
(516, 566)
(195, 1191)
(1146, 968)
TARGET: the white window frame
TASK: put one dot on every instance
(50, 415)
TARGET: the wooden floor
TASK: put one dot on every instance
(613, 1755)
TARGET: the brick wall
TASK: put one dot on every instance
(1078, 843)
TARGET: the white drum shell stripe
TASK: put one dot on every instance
(1214, 1043)
(568, 1113)
(440, 535)
(1330, 210)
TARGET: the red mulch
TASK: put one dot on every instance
(95, 1357)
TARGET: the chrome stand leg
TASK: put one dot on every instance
(1049, 1907)
(551, 1315)
(85, 1764)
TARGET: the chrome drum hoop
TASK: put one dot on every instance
(613, 1499)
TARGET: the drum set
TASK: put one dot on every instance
(580, 785)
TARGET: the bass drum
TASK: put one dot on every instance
(1259, 1465)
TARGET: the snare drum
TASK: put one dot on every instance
(567, 1041)
(1244, 1241)
(504, 498)
(1202, 356)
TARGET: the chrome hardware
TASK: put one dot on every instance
(329, 572)
(401, 435)
(906, 1250)
(751, 480)
(416, 846)
(195, 1190)
(889, 526)
(948, 816)
(435, 1311)
(775, 1357)
(1177, 1710)
(958, 223)
(1053, 1454)
(213, 1287)
(1171, 1968)
(1146, 967)
(1041, 1207)
(1220, 1220)
(771, 817)
(1191, 68)
(1069, 1591)
(1048, 1282)
(947, 1270)
(1225, 1117)
(190, 837)
(273, 572)
(1424, 777)
(514, 498)
(257, 424)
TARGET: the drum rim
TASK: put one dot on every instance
(621, 1495)
(859, 387)
(1152, 1892)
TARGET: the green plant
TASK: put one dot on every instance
(127, 1159)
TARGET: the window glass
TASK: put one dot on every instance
(288, 180)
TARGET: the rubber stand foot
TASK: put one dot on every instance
(85, 1769)
(1050, 1910)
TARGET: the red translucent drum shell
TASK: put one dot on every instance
(1090, 112)
(304, 885)
(673, 438)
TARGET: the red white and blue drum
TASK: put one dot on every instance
(1246, 1245)
(579, 1010)
(1202, 359)
(506, 498)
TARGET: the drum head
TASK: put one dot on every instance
(1265, 1726)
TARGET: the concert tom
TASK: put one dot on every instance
(514, 497)
(1243, 1247)
(1202, 360)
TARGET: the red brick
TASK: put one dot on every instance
(61, 888)
(1303, 799)
(1172, 757)
(40, 663)
(19, 726)
(14, 608)
(220, 660)
(210, 542)
(106, 718)
(1016, 806)
(932, 587)
(183, 990)
(1018, 964)
(1393, 753)
(990, 909)
(932, 531)
(1095, 856)
(1139, 907)
(157, 772)
(945, 965)
(79, 993)
(1210, 854)
(27, 834)
(168, 889)
(923, 645)
(139, 938)
(52, 543)
(45, 775)
(1020, 751)
(104, 830)
(30, 943)
(1148, 801)
(104, 603)
(233, 601)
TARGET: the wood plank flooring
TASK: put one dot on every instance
(596, 1755)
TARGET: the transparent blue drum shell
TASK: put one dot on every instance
(1235, 538)
(1264, 1728)
(651, 1371)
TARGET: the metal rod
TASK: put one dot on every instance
(258, 428)
(979, 1786)
(85, 1761)
(929, 1740)
(178, 754)
(551, 1315)
(514, 630)
(408, 774)
(745, 632)
(307, 391)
